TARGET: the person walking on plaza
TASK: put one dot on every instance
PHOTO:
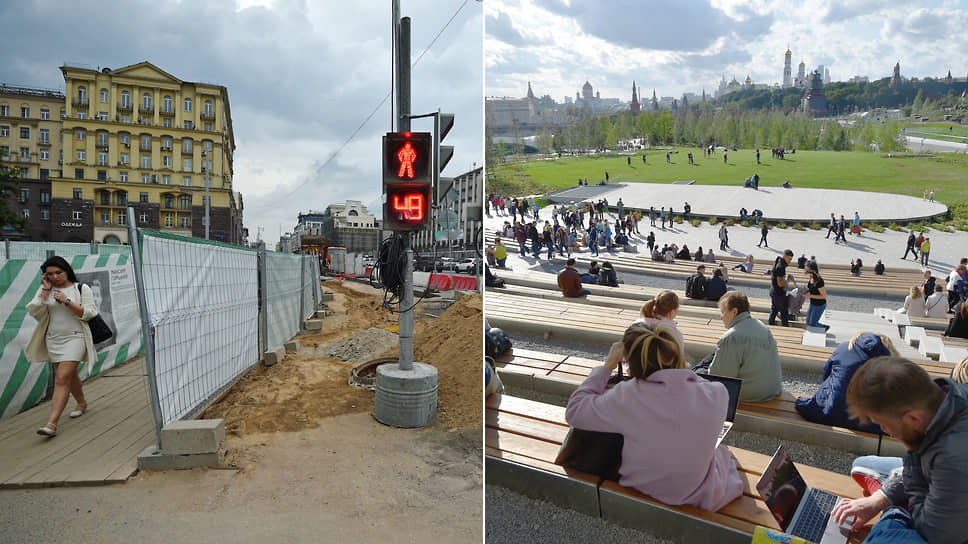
(62, 307)
(855, 227)
(778, 294)
(652, 216)
(910, 247)
(663, 217)
(925, 251)
(521, 237)
(841, 229)
(764, 230)
(832, 226)
(723, 238)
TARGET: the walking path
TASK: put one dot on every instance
(100, 447)
(795, 204)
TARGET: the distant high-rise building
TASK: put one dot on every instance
(826, 75)
(787, 70)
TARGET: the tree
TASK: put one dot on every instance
(8, 187)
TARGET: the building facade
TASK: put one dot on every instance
(30, 146)
(462, 208)
(142, 137)
(349, 225)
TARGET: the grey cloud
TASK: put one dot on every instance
(501, 28)
(658, 25)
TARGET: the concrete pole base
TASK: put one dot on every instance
(405, 398)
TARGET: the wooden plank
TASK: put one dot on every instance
(119, 463)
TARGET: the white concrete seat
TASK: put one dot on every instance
(913, 335)
(931, 346)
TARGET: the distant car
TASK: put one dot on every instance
(446, 263)
(467, 266)
(423, 263)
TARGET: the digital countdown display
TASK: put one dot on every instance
(407, 207)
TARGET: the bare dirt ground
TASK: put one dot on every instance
(305, 460)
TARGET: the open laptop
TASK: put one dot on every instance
(733, 386)
(801, 510)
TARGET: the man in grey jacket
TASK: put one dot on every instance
(930, 417)
(746, 351)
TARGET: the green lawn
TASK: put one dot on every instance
(940, 128)
(947, 174)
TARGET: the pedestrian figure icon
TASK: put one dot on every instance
(406, 155)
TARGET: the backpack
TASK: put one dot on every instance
(496, 343)
(694, 288)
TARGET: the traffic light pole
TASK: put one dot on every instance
(403, 125)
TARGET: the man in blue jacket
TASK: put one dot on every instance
(930, 417)
(829, 404)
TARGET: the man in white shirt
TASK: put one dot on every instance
(957, 274)
(936, 305)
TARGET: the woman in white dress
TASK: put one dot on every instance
(61, 307)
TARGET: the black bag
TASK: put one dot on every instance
(593, 452)
(496, 343)
(99, 329)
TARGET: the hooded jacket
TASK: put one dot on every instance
(829, 404)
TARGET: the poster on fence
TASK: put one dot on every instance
(111, 278)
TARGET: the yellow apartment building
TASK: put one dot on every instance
(30, 142)
(140, 136)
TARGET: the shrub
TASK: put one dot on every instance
(894, 226)
(799, 226)
(713, 220)
(695, 222)
(745, 222)
(781, 225)
(875, 227)
(815, 226)
(729, 222)
(677, 219)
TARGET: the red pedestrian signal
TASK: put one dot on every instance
(406, 157)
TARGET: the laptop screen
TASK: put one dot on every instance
(733, 386)
(782, 487)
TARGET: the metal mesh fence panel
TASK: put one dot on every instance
(284, 277)
(308, 292)
(317, 282)
(202, 299)
(38, 250)
(113, 249)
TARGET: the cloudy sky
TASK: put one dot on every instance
(678, 46)
(302, 77)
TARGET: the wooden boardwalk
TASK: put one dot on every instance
(100, 447)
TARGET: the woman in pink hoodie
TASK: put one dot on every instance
(670, 419)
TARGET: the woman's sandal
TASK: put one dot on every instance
(50, 429)
(81, 408)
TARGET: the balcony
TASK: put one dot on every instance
(166, 148)
(207, 116)
(146, 110)
(167, 113)
(79, 101)
(124, 108)
(102, 144)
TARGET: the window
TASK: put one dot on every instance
(146, 120)
(44, 176)
(24, 194)
(122, 198)
(24, 154)
(169, 220)
(122, 218)
(209, 110)
(166, 143)
(44, 154)
(45, 114)
(82, 94)
(45, 136)
(166, 161)
(125, 158)
(145, 178)
(78, 192)
(44, 214)
(104, 96)
(105, 217)
(144, 197)
(188, 104)
(25, 132)
(103, 116)
(143, 218)
(208, 127)
(82, 114)
(63, 114)
(166, 122)
(186, 164)
(189, 125)
(25, 213)
(167, 107)
(4, 131)
(187, 145)
(81, 133)
(123, 176)
(25, 112)
(146, 161)
(125, 118)
(125, 138)
(146, 142)
(24, 173)
(187, 181)
(102, 175)
(81, 154)
(207, 146)
(186, 202)
(186, 221)
(102, 158)
(125, 99)
(169, 201)
(76, 214)
(166, 179)
(5, 111)
(146, 101)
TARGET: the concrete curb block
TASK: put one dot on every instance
(312, 325)
(193, 436)
(274, 356)
(292, 345)
(154, 459)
